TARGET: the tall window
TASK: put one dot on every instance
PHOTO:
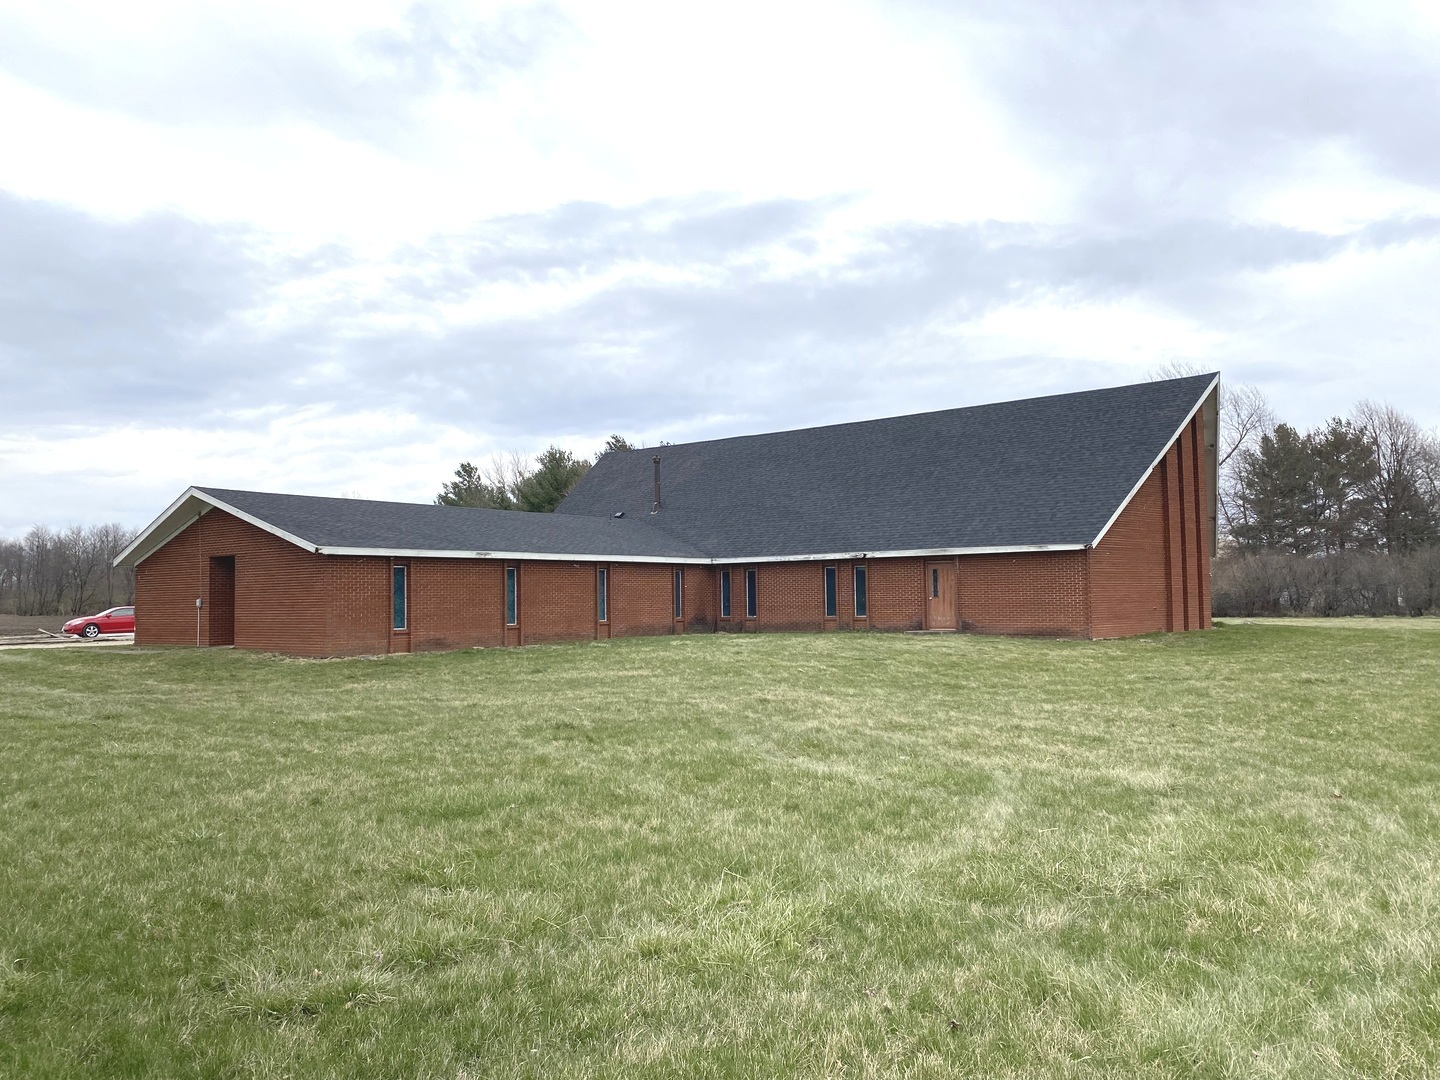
(830, 601)
(750, 606)
(862, 596)
(397, 597)
(602, 602)
(679, 613)
(512, 597)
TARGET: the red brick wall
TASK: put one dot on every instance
(788, 596)
(701, 604)
(1034, 592)
(559, 602)
(280, 594)
(358, 608)
(897, 594)
(1199, 499)
(641, 599)
(166, 585)
(1151, 572)
(456, 604)
(1129, 571)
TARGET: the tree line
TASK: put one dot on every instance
(48, 572)
(1342, 519)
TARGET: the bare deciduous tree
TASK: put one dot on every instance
(1340, 583)
(119, 580)
(81, 553)
(1406, 485)
(50, 573)
(1245, 416)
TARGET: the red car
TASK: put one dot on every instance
(115, 620)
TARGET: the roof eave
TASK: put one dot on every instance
(176, 520)
(695, 560)
(691, 559)
(174, 510)
(511, 556)
(179, 516)
(902, 553)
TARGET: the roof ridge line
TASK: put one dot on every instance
(1208, 375)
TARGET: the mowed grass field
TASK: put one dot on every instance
(1212, 855)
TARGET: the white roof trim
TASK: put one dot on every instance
(510, 556)
(155, 526)
(167, 521)
(691, 560)
(908, 553)
(1163, 451)
(210, 501)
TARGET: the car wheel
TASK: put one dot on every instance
(91, 631)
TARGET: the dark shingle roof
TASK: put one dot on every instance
(361, 523)
(1047, 471)
(1044, 472)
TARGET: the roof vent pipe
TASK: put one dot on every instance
(656, 508)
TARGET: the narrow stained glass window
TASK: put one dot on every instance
(750, 607)
(678, 595)
(397, 595)
(512, 598)
(725, 594)
(831, 604)
(862, 598)
(601, 600)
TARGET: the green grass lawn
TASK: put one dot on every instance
(1209, 854)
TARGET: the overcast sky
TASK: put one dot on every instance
(336, 249)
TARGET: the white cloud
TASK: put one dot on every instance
(648, 100)
(1330, 187)
(340, 246)
(1364, 324)
(288, 178)
(1134, 336)
(100, 474)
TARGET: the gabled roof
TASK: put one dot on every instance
(365, 527)
(1042, 473)
(1049, 473)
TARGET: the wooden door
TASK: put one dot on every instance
(940, 596)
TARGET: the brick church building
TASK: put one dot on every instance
(1086, 515)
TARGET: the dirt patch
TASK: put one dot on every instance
(27, 624)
